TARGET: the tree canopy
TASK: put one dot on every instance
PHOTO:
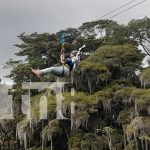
(111, 105)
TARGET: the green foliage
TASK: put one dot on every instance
(21, 73)
(80, 98)
(92, 66)
(124, 92)
(52, 129)
(131, 146)
(124, 117)
(139, 30)
(141, 96)
(106, 101)
(35, 101)
(37, 148)
(118, 34)
(74, 141)
(120, 59)
(117, 140)
(146, 121)
(89, 28)
(145, 77)
(144, 137)
(86, 141)
(81, 115)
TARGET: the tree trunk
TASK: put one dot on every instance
(136, 142)
(146, 145)
(142, 144)
(124, 135)
(89, 84)
(51, 143)
(136, 110)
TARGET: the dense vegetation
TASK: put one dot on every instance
(111, 109)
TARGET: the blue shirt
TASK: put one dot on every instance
(70, 63)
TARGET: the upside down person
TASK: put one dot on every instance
(65, 69)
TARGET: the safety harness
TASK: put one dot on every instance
(63, 70)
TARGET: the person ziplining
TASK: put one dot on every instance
(67, 64)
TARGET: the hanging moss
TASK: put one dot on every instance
(79, 98)
(138, 129)
(86, 65)
(85, 145)
(117, 140)
(131, 146)
(93, 141)
(141, 98)
(124, 95)
(124, 117)
(116, 56)
(75, 139)
(52, 129)
(144, 137)
(145, 77)
(81, 119)
(35, 101)
(24, 131)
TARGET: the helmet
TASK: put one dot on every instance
(74, 52)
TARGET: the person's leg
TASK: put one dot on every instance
(58, 71)
(54, 70)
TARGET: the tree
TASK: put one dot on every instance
(139, 32)
(111, 62)
(145, 77)
(106, 96)
(51, 130)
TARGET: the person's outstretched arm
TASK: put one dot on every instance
(78, 55)
(62, 56)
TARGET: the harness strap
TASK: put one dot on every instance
(63, 70)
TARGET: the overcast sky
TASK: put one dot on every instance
(17, 16)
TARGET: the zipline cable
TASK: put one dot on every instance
(116, 9)
(127, 9)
